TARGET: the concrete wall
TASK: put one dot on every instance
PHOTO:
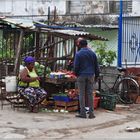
(109, 77)
(87, 7)
(40, 7)
(31, 7)
(135, 7)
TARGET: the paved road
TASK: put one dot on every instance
(47, 125)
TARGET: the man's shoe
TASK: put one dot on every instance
(81, 116)
(91, 116)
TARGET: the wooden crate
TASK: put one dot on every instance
(47, 102)
(69, 106)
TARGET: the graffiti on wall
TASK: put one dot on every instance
(134, 46)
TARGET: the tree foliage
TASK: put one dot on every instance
(105, 56)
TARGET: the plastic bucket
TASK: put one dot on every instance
(11, 83)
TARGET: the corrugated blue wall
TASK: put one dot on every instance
(131, 41)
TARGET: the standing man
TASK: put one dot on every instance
(87, 70)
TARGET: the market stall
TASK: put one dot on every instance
(53, 47)
(61, 82)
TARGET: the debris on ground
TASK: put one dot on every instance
(132, 129)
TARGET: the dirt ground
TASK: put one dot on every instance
(20, 124)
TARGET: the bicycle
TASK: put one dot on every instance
(124, 85)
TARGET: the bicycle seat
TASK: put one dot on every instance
(121, 69)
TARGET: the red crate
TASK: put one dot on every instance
(96, 102)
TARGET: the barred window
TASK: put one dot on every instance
(114, 6)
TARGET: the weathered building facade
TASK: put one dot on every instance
(85, 12)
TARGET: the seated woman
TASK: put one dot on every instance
(29, 85)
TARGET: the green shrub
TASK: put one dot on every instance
(105, 56)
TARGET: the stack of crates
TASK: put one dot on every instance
(69, 106)
(63, 101)
(108, 100)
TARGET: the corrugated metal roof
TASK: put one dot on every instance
(79, 33)
(42, 25)
(29, 24)
(101, 26)
(22, 23)
(71, 32)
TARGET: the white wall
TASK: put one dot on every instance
(40, 7)
(31, 7)
(135, 7)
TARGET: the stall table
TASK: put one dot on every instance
(53, 86)
(60, 81)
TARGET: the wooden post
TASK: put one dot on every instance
(49, 15)
(17, 58)
(54, 14)
(37, 52)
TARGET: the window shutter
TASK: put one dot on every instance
(129, 6)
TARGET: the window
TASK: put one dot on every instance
(114, 6)
(106, 6)
(75, 7)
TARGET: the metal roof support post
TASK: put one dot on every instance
(49, 15)
(37, 51)
(17, 57)
(120, 36)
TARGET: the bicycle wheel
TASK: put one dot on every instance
(127, 90)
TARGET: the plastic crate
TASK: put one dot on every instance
(108, 101)
(96, 102)
(62, 98)
(56, 98)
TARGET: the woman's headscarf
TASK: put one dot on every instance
(29, 59)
